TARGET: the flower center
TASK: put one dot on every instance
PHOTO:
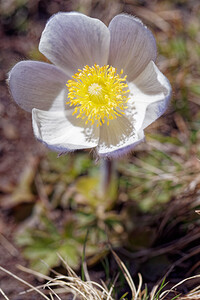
(94, 89)
(98, 94)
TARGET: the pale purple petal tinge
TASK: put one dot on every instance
(39, 85)
(132, 45)
(73, 40)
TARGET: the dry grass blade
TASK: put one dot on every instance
(4, 295)
(24, 282)
(166, 248)
(54, 293)
(8, 246)
(153, 292)
(71, 284)
(193, 252)
(194, 294)
(139, 286)
(35, 273)
(89, 290)
(111, 289)
(69, 270)
(126, 275)
(165, 293)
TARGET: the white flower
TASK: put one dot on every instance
(102, 90)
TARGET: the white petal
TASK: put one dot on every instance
(38, 85)
(73, 40)
(118, 138)
(132, 45)
(62, 132)
(152, 89)
(150, 94)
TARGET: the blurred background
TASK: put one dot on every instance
(50, 204)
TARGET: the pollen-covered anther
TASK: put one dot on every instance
(98, 94)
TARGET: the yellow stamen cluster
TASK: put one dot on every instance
(98, 94)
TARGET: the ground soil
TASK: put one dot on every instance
(17, 146)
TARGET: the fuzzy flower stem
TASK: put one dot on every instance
(107, 177)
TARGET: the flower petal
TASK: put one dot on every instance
(150, 93)
(132, 45)
(153, 90)
(38, 85)
(73, 40)
(120, 136)
(62, 132)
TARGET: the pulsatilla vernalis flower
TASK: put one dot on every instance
(101, 90)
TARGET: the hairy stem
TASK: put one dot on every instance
(108, 177)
